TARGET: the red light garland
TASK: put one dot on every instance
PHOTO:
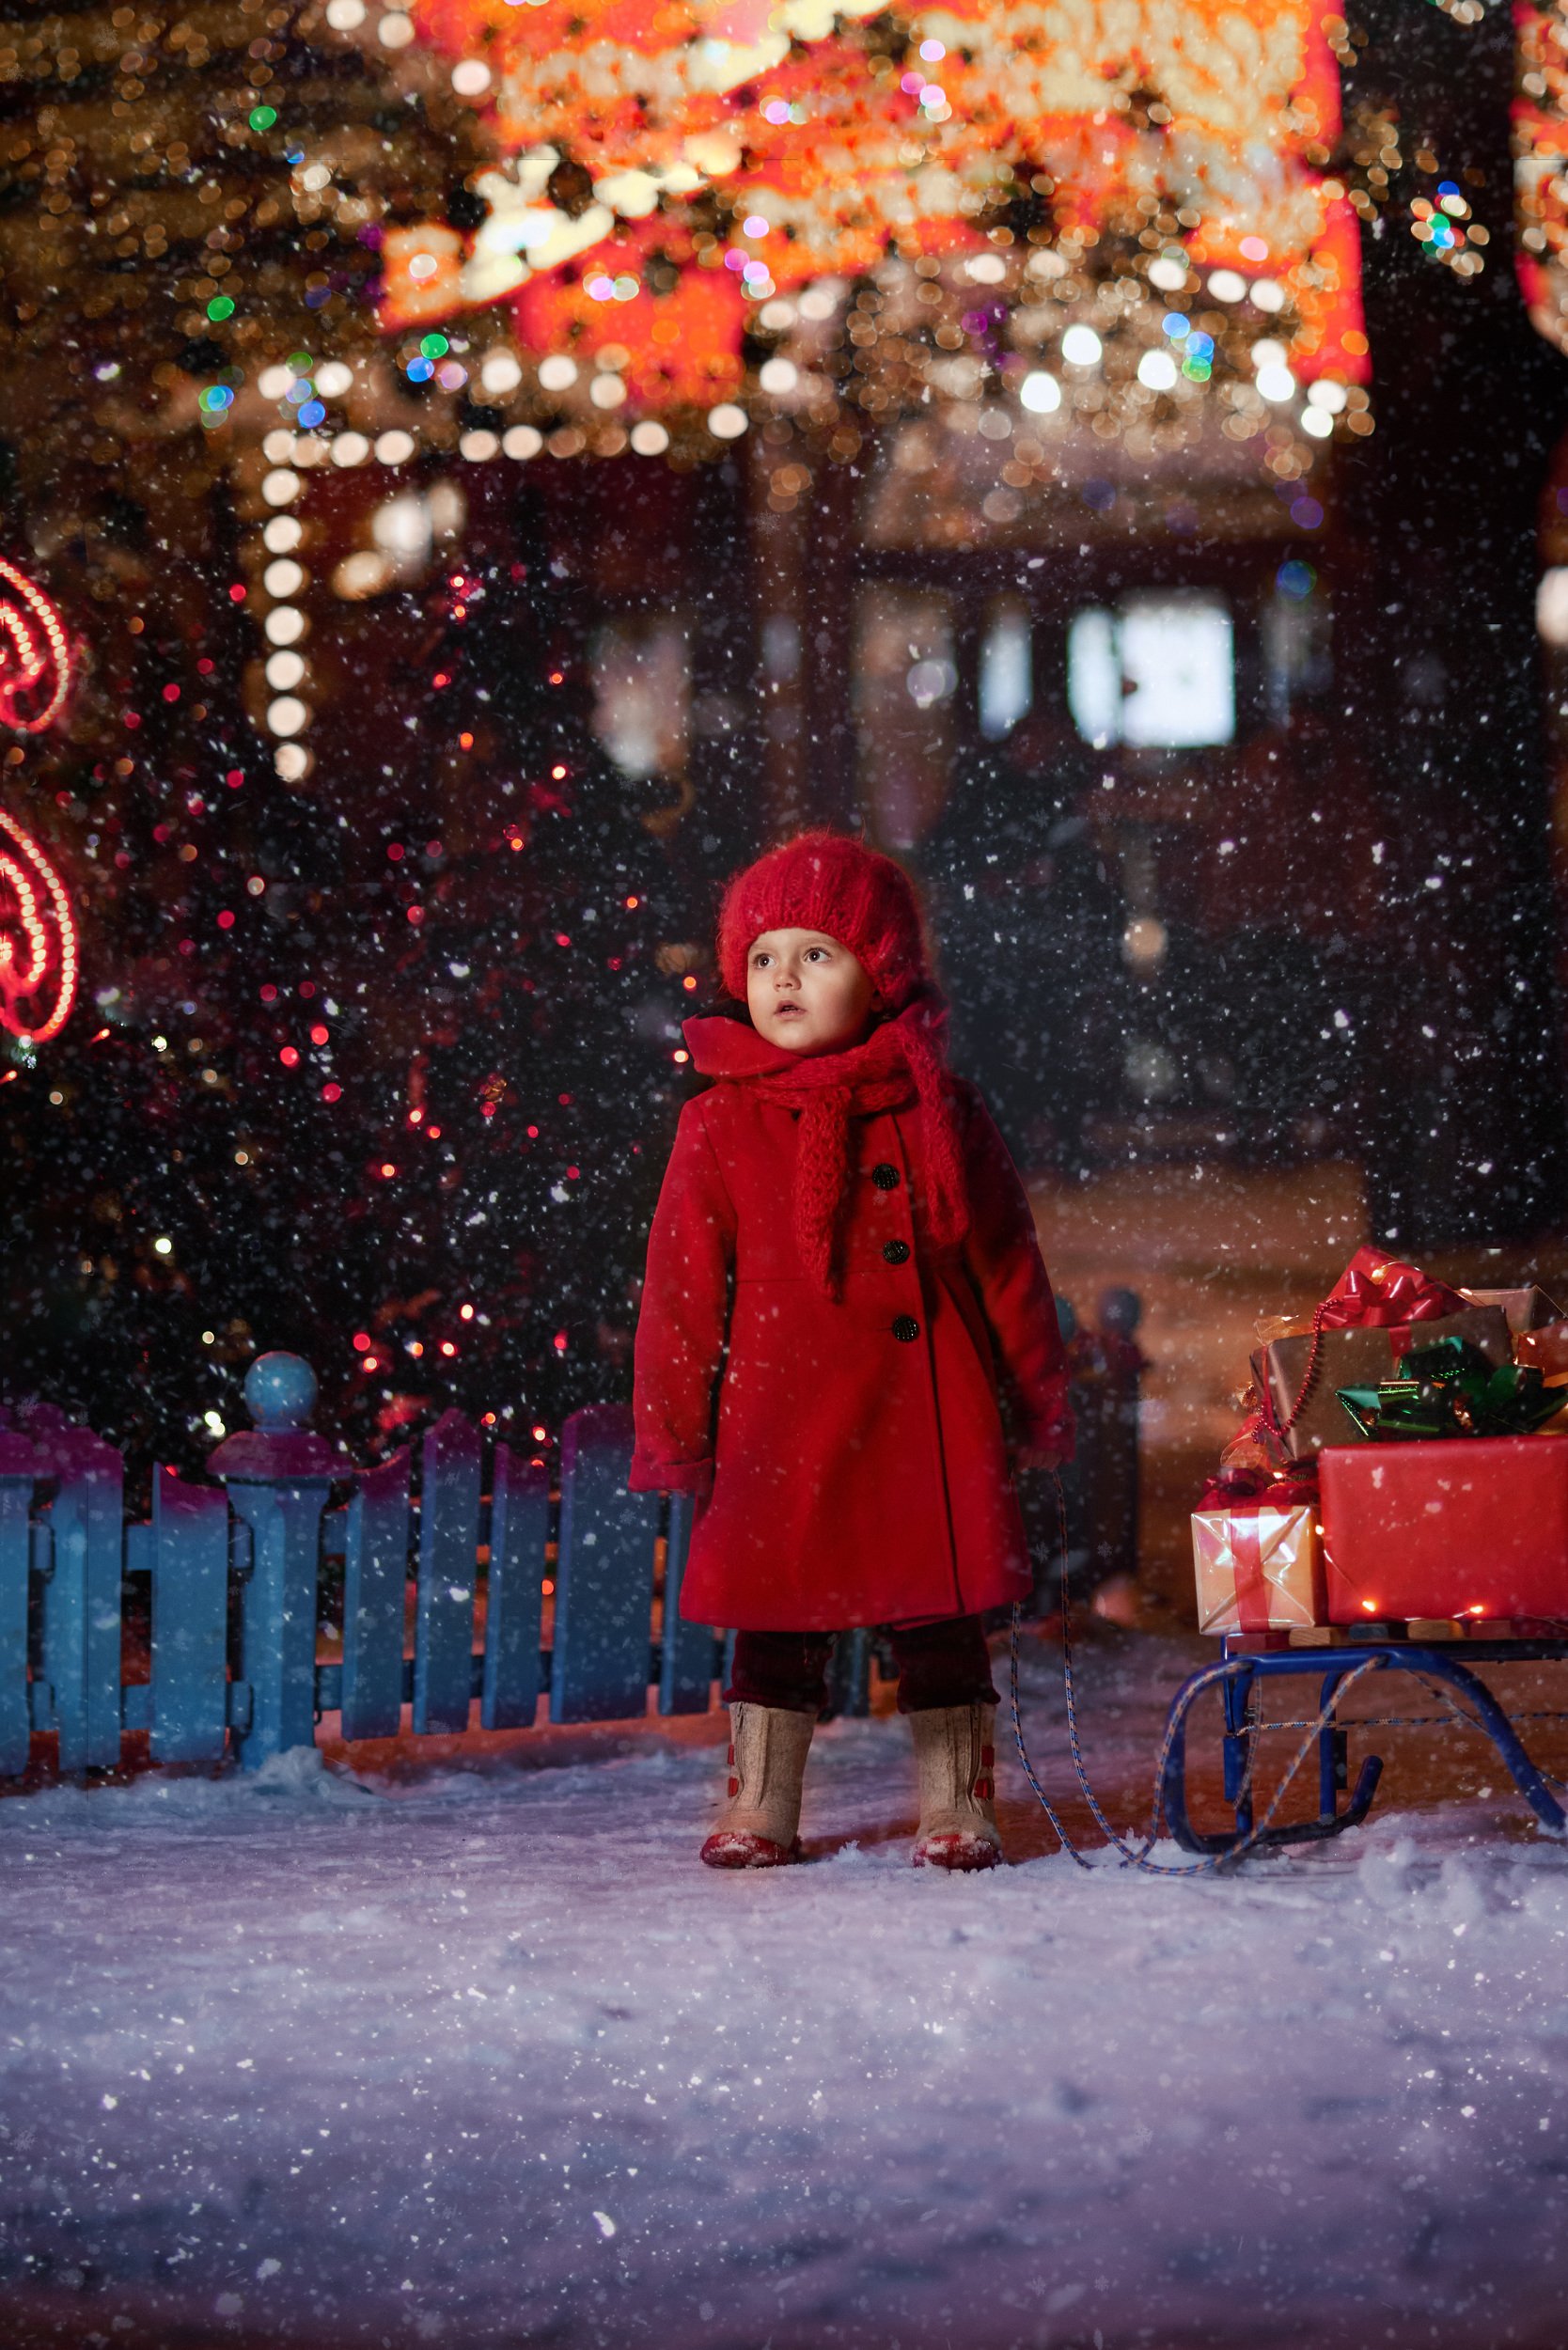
(38, 938)
(39, 953)
(35, 654)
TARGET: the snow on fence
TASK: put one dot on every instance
(236, 1570)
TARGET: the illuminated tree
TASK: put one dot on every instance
(544, 985)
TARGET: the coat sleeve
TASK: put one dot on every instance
(684, 1322)
(1002, 1253)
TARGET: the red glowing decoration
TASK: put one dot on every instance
(1539, 147)
(35, 655)
(37, 939)
(686, 190)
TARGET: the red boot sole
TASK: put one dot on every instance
(964, 1853)
(729, 1850)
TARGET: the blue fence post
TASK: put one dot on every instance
(848, 1676)
(17, 1473)
(599, 1668)
(189, 1698)
(448, 1566)
(686, 1649)
(375, 1586)
(279, 1475)
(81, 1598)
(514, 1590)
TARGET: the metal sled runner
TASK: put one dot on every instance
(1242, 1672)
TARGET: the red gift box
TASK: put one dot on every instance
(1472, 1525)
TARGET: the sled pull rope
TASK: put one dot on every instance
(1137, 1856)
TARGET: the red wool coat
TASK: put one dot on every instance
(849, 1455)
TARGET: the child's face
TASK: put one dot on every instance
(806, 991)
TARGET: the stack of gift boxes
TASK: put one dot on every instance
(1403, 1462)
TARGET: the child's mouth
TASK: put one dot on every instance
(787, 1012)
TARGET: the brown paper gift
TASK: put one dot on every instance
(1258, 1568)
(1527, 1310)
(1360, 1357)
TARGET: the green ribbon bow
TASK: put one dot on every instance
(1450, 1390)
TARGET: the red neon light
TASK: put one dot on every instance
(35, 654)
(37, 939)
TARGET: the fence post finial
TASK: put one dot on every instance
(279, 1475)
(280, 1394)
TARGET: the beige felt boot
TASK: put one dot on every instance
(768, 1745)
(956, 1757)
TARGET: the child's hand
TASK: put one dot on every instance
(1053, 1443)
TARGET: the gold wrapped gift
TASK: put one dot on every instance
(1259, 1567)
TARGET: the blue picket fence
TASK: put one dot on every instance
(465, 1552)
(236, 1568)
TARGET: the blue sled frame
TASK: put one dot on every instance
(1339, 1807)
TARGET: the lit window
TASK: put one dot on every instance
(1158, 671)
(642, 692)
(1551, 604)
(401, 528)
(1006, 672)
(405, 531)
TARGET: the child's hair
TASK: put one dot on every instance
(825, 881)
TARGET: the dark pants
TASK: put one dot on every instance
(939, 1663)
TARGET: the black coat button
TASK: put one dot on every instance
(886, 1178)
(906, 1330)
(895, 1251)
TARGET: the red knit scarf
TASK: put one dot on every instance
(901, 1061)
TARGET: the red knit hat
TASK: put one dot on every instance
(825, 881)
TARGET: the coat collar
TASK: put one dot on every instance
(731, 1048)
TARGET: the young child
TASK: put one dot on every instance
(846, 1334)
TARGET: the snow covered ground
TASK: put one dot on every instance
(475, 2055)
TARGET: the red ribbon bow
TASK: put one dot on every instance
(1375, 1288)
